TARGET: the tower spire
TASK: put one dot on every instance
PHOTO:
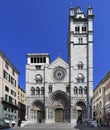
(71, 11)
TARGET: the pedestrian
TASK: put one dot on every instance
(19, 122)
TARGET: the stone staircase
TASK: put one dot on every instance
(44, 125)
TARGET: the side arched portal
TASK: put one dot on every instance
(80, 108)
(38, 111)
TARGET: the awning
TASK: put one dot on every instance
(13, 122)
(7, 121)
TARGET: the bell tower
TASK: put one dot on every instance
(80, 54)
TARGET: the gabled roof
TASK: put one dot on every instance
(8, 61)
(58, 62)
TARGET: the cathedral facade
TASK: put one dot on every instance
(59, 91)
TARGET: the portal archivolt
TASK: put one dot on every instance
(38, 111)
(61, 106)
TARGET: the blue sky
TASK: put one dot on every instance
(31, 26)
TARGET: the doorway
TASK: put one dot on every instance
(79, 120)
(39, 120)
(59, 115)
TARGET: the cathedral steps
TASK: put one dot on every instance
(50, 125)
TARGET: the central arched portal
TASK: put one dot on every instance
(61, 106)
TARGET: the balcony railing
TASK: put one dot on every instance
(9, 103)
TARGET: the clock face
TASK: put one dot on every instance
(59, 73)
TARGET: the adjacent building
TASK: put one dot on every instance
(98, 103)
(8, 90)
(107, 99)
(101, 101)
(60, 91)
(21, 105)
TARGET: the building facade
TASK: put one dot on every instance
(21, 105)
(101, 101)
(107, 99)
(98, 103)
(8, 90)
(59, 91)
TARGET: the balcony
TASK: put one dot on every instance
(10, 103)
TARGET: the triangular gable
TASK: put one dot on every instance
(58, 62)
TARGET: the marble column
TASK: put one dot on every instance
(46, 114)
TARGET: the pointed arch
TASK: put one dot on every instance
(37, 91)
(38, 110)
(80, 65)
(59, 102)
(32, 91)
(80, 90)
(75, 90)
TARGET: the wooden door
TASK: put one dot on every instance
(39, 116)
(59, 115)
